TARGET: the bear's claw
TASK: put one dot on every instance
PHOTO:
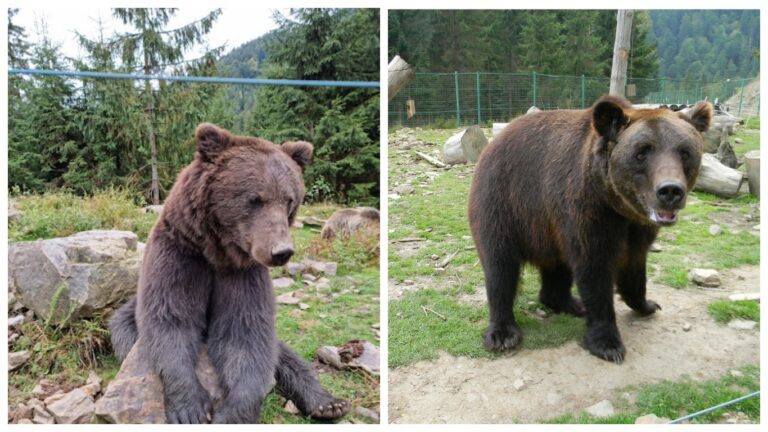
(331, 410)
(502, 338)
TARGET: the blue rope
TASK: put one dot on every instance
(216, 80)
(708, 410)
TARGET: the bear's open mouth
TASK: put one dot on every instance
(663, 217)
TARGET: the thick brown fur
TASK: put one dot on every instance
(581, 194)
(204, 279)
(346, 221)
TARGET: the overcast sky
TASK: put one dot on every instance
(233, 27)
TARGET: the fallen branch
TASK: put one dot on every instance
(447, 260)
(431, 160)
(426, 309)
(408, 240)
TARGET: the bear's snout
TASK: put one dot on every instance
(281, 254)
(671, 194)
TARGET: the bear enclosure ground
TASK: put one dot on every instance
(345, 308)
(687, 357)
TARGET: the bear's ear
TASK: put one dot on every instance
(299, 151)
(700, 116)
(211, 140)
(609, 118)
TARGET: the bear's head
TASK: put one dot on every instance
(253, 191)
(651, 157)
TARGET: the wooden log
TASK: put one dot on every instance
(752, 160)
(717, 178)
(464, 146)
(621, 51)
(431, 160)
(400, 73)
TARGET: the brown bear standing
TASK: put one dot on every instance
(581, 195)
(204, 279)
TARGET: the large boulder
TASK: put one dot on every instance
(343, 223)
(75, 276)
(464, 146)
(135, 396)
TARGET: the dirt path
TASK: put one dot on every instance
(568, 379)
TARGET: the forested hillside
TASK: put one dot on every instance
(707, 44)
(88, 134)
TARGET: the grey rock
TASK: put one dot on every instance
(22, 411)
(17, 359)
(303, 306)
(25, 421)
(283, 282)
(328, 268)
(288, 298)
(687, 326)
(366, 356)
(39, 414)
(15, 321)
(309, 277)
(78, 275)
(518, 384)
(368, 413)
(404, 189)
(75, 407)
(704, 277)
(604, 408)
(715, 230)
(291, 408)
(136, 394)
(294, 268)
(655, 247)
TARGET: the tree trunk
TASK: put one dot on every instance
(400, 73)
(150, 110)
(621, 48)
(717, 178)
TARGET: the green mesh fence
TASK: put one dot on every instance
(464, 98)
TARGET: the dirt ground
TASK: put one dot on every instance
(567, 379)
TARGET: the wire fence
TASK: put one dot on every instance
(464, 98)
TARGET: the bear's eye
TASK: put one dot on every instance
(642, 154)
(256, 201)
(684, 155)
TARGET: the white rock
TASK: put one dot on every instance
(17, 359)
(291, 408)
(715, 230)
(655, 247)
(651, 419)
(303, 306)
(604, 408)
(736, 373)
(15, 321)
(746, 296)
(75, 407)
(518, 384)
(705, 277)
(686, 326)
(283, 282)
(741, 324)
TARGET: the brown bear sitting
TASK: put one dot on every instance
(205, 280)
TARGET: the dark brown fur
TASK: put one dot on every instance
(204, 279)
(580, 194)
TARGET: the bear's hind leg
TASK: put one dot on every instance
(123, 330)
(555, 291)
(296, 381)
(502, 273)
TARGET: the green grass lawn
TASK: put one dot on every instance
(344, 311)
(436, 214)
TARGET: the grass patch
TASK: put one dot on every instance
(673, 400)
(60, 214)
(726, 310)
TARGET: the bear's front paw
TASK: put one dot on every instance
(648, 308)
(502, 338)
(605, 345)
(330, 409)
(189, 409)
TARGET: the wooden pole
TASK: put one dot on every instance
(400, 73)
(621, 48)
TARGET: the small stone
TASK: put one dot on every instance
(686, 326)
(303, 306)
(439, 270)
(25, 421)
(404, 189)
(12, 338)
(651, 419)
(408, 282)
(434, 257)
(715, 230)
(40, 388)
(22, 411)
(290, 408)
(15, 321)
(17, 359)
(655, 247)
(368, 413)
(75, 407)
(308, 277)
(738, 140)
(518, 384)
(736, 373)
(287, 298)
(756, 227)
(704, 277)
(376, 326)
(740, 324)
(283, 282)
(604, 408)
(323, 280)
(294, 268)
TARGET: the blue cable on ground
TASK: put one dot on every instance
(214, 80)
(722, 405)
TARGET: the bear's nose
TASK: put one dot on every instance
(281, 254)
(670, 193)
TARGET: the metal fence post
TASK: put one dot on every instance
(741, 98)
(458, 112)
(583, 92)
(534, 89)
(477, 81)
(662, 91)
